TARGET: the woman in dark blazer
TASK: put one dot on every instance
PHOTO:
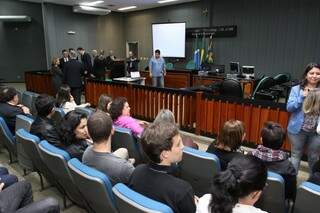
(57, 74)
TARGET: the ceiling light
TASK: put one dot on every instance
(14, 18)
(93, 3)
(166, 1)
(127, 8)
(90, 10)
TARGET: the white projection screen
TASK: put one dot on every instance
(170, 39)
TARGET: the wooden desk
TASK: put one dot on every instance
(173, 78)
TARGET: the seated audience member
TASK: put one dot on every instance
(74, 134)
(120, 114)
(43, 126)
(10, 107)
(66, 101)
(315, 176)
(229, 140)
(272, 137)
(163, 146)
(104, 103)
(165, 115)
(236, 189)
(7, 179)
(115, 165)
(18, 198)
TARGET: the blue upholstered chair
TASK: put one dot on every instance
(130, 201)
(198, 168)
(123, 138)
(308, 198)
(84, 110)
(94, 186)
(57, 161)
(58, 115)
(28, 100)
(273, 196)
(30, 143)
(8, 140)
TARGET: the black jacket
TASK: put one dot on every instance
(46, 130)
(62, 63)
(99, 66)
(72, 72)
(9, 112)
(86, 61)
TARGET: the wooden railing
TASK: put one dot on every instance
(214, 111)
(195, 112)
(146, 101)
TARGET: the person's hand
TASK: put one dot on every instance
(92, 76)
(25, 110)
(88, 104)
(164, 73)
(85, 72)
(150, 74)
(144, 124)
(196, 199)
(71, 98)
(1, 186)
(306, 91)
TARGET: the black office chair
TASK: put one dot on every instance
(231, 87)
(262, 90)
(282, 78)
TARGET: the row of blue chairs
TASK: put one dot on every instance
(86, 186)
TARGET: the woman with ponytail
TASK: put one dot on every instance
(236, 189)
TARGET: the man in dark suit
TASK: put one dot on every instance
(72, 72)
(65, 58)
(86, 61)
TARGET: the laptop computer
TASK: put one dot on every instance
(135, 74)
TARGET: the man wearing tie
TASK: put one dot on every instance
(65, 58)
(157, 69)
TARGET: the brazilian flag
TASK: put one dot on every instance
(203, 50)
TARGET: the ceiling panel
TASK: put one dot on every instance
(115, 4)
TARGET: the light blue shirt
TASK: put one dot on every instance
(157, 66)
(294, 105)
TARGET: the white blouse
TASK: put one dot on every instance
(204, 201)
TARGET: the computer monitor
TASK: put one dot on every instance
(235, 67)
(247, 69)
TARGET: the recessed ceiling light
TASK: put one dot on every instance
(166, 1)
(127, 8)
(93, 3)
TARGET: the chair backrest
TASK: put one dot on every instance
(191, 65)
(282, 78)
(24, 159)
(30, 145)
(56, 160)
(273, 196)
(58, 115)
(123, 138)
(94, 186)
(84, 110)
(169, 65)
(23, 122)
(28, 99)
(7, 139)
(231, 87)
(198, 168)
(265, 83)
(130, 201)
(308, 197)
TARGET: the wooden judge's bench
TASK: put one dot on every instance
(196, 111)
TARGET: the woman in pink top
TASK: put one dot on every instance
(120, 114)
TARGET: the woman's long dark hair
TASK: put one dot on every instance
(116, 107)
(309, 67)
(63, 95)
(69, 123)
(244, 174)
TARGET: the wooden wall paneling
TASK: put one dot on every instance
(216, 116)
(224, 113)
(209, 117)
(255, 124)
(247, 111)
(231, 111)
